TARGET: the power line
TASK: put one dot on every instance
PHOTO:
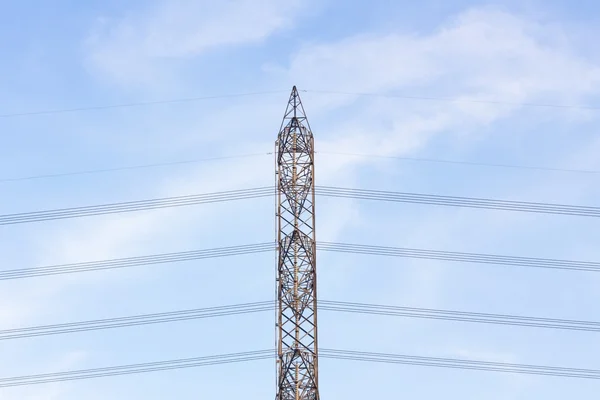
(139, 205)
(198, 98)
(455, 100)
(346, 355)
(324, 305)
(136, 320)
(461, 364)
(136, 104)
(455, 201)
(199, 160)
(468, 163)
(492, 259)
(459, 316)
(136, 261)
(327, 191)
(528, 262)
(136, 368)
(131, 167)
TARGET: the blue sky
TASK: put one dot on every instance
(77, 54)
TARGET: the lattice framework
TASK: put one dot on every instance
(297, 363)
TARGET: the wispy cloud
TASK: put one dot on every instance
(482, 53)
(144, 47)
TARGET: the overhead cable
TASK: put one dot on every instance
(139, 205)
(136, 261)
(135, 104)
(345, 93)
(456, 100)
(454, 201)
(462, 162)
(136, 320)
(136, 368)
(129, 167)
(326, 191)
(528, 262)
(454, 363)
(345, 355)
(238, 156)
(491, 259)
(324, 305)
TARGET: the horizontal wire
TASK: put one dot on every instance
(136, 368)
(457, 361)
(385, 195)
(148, 364)
(529, 262)
(366, 307)
(131, 321)
(452, 360)
(136, 104)
(464, 316)
(385, 95)
(130, 167)
(471, 202)
(389, 358)
(136, 261)
(593, 374)
(134, 318)
(459, 162)
(454, 100)
(191, 99)
(324, 305)
(136, 371)
(475, 200)
(336, 192)
(151, 204)
(490, 259)
(238, 156)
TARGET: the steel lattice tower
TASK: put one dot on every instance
(297, 362)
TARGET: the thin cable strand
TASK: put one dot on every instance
(335, 192)
(476, 258)
(467, 163)
(136, 104)
(130, 167)
(324, 305)
(346, 355)
(455, 100)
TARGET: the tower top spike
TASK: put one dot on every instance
(294, 110)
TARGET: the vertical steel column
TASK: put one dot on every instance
(297, 361)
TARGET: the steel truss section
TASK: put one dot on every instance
(297, 363)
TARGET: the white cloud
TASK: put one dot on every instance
(481, 54)
(137, 49)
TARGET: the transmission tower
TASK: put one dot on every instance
(297, 361)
